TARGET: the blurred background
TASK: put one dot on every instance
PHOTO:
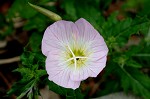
(124, 24)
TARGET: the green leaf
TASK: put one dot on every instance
(110, 86)
(121, 60)
(21, 88)
(22, 95)
(22, 8)
(27, 58)
(135, 81)
(54, 87)
(38, 24)
(35, 37)
(26, 73)
(33, 60)
(138, 24)
(69, 93)
(93, 15)
(40, 73)
(133, 63)
(122, 30)
(69, 6)
(124, 60)
(147, 38)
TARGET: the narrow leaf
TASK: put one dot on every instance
(135, 81)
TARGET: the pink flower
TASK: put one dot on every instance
(74, 51)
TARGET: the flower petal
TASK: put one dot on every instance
(91, 69)
(96, 50)
(59, 74)
(97, 45)
(86, 30)
(58, 35)
(67, 37)
(96, 66)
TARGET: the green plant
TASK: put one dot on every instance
(126, 62)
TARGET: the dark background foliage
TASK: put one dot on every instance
(124, 24)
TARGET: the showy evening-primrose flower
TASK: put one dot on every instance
(74, 51)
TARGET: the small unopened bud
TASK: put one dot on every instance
(53, 16)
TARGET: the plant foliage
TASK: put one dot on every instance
(126, 62)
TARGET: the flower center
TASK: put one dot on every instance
(76, 57)
(80, 60)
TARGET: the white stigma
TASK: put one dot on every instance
(73, 58)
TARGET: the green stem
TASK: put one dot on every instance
(142, 55)
(35, 96)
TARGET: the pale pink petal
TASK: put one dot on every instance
(97, 66)
(90, 69)
(96, 50)
(86, 30)
(58, 35)
(65, 36)
(97, 46)
(59, 74)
